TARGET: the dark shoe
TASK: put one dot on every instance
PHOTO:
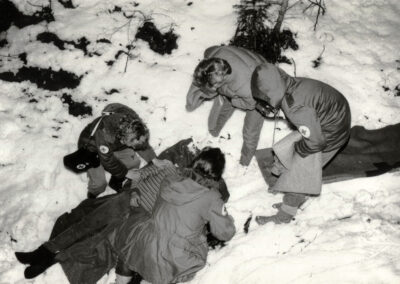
(37, 256)
(136, 278)
(35, 270)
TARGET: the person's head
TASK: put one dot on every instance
(210, 73)
(133, 133)
(209, 163)
(268, 86)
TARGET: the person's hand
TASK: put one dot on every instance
(162, 163)
(135, 199)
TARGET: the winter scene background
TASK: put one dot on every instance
(89, 52)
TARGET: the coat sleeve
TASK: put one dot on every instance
(195, 97)
(238, 98)
(148, 154)
(107, 159)
(306, 121)
(221, 224)
(253, 123)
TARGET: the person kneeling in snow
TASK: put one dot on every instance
(163, 240)
(322, 117)
(115, 139)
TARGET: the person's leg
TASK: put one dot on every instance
(220, 113)
(252, 126)
(97, 181)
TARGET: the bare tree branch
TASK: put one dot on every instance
(281, 15)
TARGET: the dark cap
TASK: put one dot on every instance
(81, 160)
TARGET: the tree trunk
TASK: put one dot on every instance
(281, 16)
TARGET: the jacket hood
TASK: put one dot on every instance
(269, 83)
(180, 189)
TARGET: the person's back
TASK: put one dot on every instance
(170, 244)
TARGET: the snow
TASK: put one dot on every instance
(350, 234)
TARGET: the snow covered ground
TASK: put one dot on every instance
(350, 234)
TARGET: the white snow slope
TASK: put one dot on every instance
(350, 234)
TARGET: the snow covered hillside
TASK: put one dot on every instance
(350, 234)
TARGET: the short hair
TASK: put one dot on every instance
(128, 125)
(209, 163)
(207, 67)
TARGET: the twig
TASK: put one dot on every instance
(321, 9)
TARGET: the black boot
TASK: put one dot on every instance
(36, 269)
(35, 257)
(136, 278)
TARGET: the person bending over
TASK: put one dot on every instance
(322, 117)
(224, 76)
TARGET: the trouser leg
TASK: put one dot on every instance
(110, 210)
(97, 180)
(220, 113)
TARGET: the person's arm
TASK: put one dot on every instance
(306, 121)
(253, 123)
(196, 96)
(107, 159)
(239, 99)
(222, 225)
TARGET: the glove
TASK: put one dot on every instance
(116, 183)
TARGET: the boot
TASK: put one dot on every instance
(279, 218)
(36, 269)
(39, 260)
(136, 278)
(35, 257)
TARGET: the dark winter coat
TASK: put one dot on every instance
(170, 244)
(91, 237)
(317, 110)
(105, 141)
(237, 89)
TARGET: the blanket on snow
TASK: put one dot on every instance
(368, 153)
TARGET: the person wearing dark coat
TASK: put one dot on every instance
(322, 117)
(161, 206)
(170, 246)
(224, 76)
(120, 139)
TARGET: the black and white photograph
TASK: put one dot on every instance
(200, 141)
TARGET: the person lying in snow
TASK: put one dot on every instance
(224, 76)
(116, 140)
(163, 241)
(322, 118)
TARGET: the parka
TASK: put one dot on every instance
(170, 244)
(105, 141)
(319, 112)
(236, 92)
